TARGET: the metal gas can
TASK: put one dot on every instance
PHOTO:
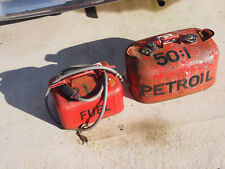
(172, 65)
(73, 113)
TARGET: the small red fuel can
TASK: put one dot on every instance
(172, 65)
(73, 113)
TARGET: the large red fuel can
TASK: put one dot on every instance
(171, 65)
(74, 113)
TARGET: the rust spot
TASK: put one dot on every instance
(111, 82)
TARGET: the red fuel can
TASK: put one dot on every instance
(172, 65)
(74, 113)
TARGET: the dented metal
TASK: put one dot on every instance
(184, 62)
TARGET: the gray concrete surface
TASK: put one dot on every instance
(187, 132)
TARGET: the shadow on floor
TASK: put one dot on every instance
(25, 88)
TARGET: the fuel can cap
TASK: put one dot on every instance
(189, 38)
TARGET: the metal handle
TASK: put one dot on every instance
(205, 34)
(151, 47)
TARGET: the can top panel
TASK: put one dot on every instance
(183, 48)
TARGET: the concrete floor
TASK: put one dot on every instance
(187, 132)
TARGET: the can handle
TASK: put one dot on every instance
(160, 40)
(187, 38)
(152, 46)
(205, 34)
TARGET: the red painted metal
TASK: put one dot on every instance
(176, 64)
(74, 113)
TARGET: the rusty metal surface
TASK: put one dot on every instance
(175, 69)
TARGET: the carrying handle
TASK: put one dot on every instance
(160, 40)
(187, 38)
(205, 34)
(151, 47)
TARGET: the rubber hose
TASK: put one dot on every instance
(105, 96)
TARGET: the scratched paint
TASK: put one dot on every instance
(175, 63)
